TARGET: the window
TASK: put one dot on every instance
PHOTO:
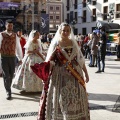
(84, 31)
(84, 4)
(105, 1)
(94, 15)
(84, 16)
(57, 17)
(51, 25)
(68, 4)
(76, 16)
(51, 17)
(57, 8)
(75, 5)
(94, 2)
(68, 17)
(51, 8)
(89, 1)
(118, 11)
(105, 11)
(75, 31)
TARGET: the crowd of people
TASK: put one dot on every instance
(57, 70)
(93, 47)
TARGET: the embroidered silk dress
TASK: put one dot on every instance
(25, 79)
(66, 98)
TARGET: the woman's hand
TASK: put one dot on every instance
(86, 73)
(87, 78)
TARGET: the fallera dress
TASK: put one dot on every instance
(66, 98)
(25, 79)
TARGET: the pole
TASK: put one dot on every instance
(32, 14)
(40, 4)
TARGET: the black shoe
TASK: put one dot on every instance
(98, 71)
(91, 65)
(95, 65)
(102, 70)
(8, 97)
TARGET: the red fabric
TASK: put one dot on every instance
(42, 105)
(22, 42)
(86, 39)
(41, 70)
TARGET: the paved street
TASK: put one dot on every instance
(103, 90)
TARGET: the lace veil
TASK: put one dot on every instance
(55, 40)
(30, 38)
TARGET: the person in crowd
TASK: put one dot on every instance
(25, 36)
(81, 44)
(118, 47)
(22, 41)
(85, 45)
(66, 97)
(42, 39)
(9, 48)
(25, 80)
(78, 36)
(49, 38)
(45, 37)
(89, 44)
(94, 49)
(87, 38)
(102, 50)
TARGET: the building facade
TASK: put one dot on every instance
(83, 14)
(55, 10)
(34, 13)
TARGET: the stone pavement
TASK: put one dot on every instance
(103, 90)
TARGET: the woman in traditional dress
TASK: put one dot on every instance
(25, 79)
(64, 96)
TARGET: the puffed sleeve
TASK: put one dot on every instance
(1, 38)
(18, 49)
(80, 58)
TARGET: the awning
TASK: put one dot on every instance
(107, 25)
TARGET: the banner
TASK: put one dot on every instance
(9, 4)
(80, 7)
(44, 23)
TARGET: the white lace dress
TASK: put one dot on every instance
(67, 99)
(25, 79)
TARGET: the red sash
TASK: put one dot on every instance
(69, 67)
